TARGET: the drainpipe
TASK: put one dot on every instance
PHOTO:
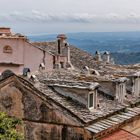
(44, 55)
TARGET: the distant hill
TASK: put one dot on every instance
(120, 44)
(126, 58)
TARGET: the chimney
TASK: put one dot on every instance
(136, 84)
(5, 31)
(106, 57)
(121, 88)
(98, 56)
(61, 42)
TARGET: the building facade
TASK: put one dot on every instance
(17, 53)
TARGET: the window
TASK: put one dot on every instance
(90, 104)
(92, 99)
(62, 64)
(7, 49)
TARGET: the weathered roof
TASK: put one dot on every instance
(115, 120)
(121, 79)
(110, 114)
(71, 84)
(107, 107)
(80, 58)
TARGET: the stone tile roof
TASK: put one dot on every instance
(116, 119)
(110, 114)
(122, 79)
(80, 59)
(74, 107)
(71, 84)
(106, 108)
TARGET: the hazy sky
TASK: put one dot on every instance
(58, 16)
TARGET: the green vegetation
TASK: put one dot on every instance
(8, 128)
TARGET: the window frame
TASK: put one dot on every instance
(91, 107)
(94, 99)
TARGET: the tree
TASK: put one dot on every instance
(6, 74)
(8, 128)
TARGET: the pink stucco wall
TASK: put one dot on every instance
(15, 69)
(48, 61)
(14, 57)
(33, 57)
(24, 54)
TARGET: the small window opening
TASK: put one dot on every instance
(7, 49)
(62, 64)
(90, 100)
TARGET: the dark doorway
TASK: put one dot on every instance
(62, 64)
(59, 47)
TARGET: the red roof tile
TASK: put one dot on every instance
(121, 135)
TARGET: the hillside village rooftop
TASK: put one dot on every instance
(66, 94)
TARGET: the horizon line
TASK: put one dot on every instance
(38, 34)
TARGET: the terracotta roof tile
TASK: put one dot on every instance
(121, 135)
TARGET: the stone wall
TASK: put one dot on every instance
(42, 119)
(41, 131)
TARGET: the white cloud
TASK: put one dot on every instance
(40, 17)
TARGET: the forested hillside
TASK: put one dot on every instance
(126, 58)
(124, 46)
